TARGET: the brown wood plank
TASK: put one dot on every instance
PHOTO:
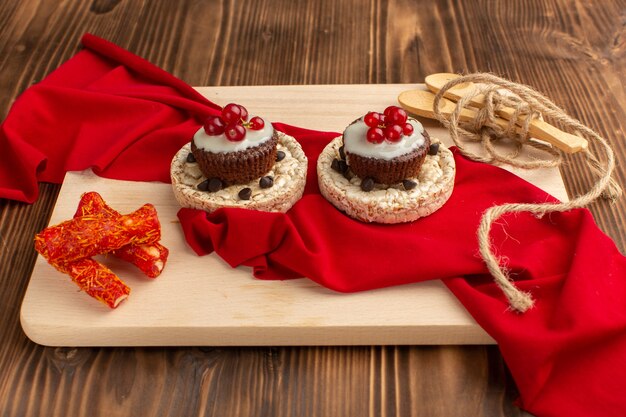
(572, 50)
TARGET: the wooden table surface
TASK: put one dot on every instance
(574, 51)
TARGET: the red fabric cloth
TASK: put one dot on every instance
(105, 108)
(567, 354)
(108, 109)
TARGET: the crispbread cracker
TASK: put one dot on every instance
(289, 179)
(388, 204)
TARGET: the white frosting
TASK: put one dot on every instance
(355, 141)
(219, 143)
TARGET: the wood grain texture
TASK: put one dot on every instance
(574, 51)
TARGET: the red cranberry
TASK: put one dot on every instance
(214, 126)
(244, 113)
(235, 132)
(393, 133)
(397, 117)
(375, 135)
(231, 113)
(256, 123)
(389, 110)
(372, 119)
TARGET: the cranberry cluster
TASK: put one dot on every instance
(232, 123)
(390, 125)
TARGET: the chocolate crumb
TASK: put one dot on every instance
(280, 155)
(434, 148)
(190, 158)
(245, 193)
(266, 182)
(342, 153)
(367, 184)
(408, 184)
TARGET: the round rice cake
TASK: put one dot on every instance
(289, 177)
(388, 204)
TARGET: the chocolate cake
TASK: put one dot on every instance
(385, 168)
(237, 167)
(234, 161)
(232, 148)
(386, 148)
(390, 171)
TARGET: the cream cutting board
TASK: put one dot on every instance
(202, 301)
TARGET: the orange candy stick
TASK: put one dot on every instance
(149, 258)
(98, 229)
(87, 236)
(97, 280)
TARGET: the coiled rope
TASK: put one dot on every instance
(528, 104)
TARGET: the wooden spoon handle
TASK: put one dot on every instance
(539, 129)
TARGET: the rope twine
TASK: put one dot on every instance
(528, 104)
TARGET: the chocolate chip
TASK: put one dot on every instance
(245, 193)
(211, 185)
(434, 148)
(367, 184)
(339, 166)
(408, 184)
(190, 158)
(342, 153)
(215, 184)
(266, 182)
(280, 155)
(203, 186)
